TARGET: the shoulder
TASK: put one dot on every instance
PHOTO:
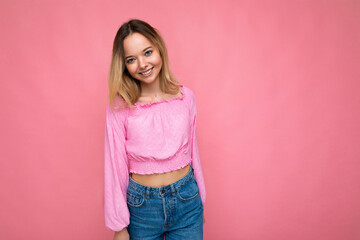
(118, 112)
(188, 93)
(189, 98)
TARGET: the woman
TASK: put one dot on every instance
(154, 185)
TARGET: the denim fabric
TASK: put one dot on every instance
(174, 211)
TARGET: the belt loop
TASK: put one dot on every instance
(147, 193)
(173, 190)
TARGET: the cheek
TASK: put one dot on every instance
(131, 69)
(158, 61)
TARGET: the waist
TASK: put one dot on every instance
(160, 179)
(164, 188)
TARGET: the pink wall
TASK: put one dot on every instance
(277, 86)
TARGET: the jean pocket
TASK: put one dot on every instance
(134, 199)
(189, 191)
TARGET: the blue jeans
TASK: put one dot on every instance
(174, 211)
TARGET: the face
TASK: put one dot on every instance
(142, 58)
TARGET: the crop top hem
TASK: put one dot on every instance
(148, 167)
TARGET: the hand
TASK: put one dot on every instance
(122, 235)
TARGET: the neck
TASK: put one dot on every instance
(151, 89)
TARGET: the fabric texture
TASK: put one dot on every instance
(155, 137)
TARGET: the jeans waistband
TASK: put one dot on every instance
(171, 188)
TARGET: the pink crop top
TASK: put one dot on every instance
(154, 137)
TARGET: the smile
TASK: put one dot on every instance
(147, 73)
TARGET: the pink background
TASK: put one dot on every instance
(277, 87)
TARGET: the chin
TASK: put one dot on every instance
(149, 80)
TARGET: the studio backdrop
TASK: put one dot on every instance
(277, 91)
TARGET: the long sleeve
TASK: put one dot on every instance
(116, 173)
(196, 164)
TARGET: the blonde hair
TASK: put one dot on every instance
(123, 88)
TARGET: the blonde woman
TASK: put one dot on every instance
(154, 185)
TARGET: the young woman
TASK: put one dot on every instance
(154, 185)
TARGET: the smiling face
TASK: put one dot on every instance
(142, 58)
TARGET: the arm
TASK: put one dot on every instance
(196, 164)
(116, 173)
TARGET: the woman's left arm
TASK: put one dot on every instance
(196, 164)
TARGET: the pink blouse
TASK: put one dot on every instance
(155, 137)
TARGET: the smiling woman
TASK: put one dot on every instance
(142, 58)
(138, 48)
(154, 185)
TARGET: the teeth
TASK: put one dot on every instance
(147, 72)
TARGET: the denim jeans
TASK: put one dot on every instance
(174, 211)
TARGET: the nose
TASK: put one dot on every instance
(142, 63)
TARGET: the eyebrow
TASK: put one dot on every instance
(143, 51)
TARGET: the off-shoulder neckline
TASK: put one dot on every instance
(163, 101)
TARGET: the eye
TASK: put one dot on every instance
(148, 52)
(130, 60)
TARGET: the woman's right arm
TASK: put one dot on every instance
(116, 173)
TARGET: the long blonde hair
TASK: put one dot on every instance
(123, 88)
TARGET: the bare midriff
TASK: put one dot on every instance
(160, 179)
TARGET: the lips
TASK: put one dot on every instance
(147, 71)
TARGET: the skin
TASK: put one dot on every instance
(141, 55)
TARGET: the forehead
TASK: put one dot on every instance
(135, 44)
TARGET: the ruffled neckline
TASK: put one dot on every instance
(163, 101)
